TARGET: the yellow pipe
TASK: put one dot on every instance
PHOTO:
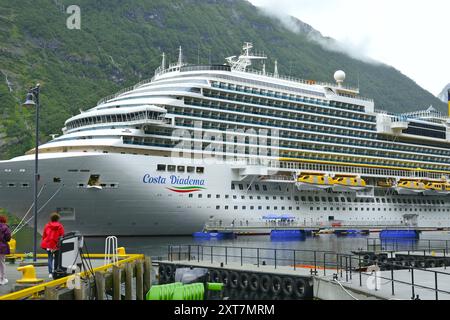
(36, 289)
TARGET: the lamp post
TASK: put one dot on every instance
(32, 100)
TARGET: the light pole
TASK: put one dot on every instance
(32, 100)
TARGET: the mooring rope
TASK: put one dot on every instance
(51, 198)
(19, 226)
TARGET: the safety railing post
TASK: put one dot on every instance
(412, 283)
(359, 270)
(169, 249)
(275, 258)
(257, 256)
(198, 253)
(226, 255)
(242, 261)
(351, 268)
(324, 264)
(295, 263)
(211, 255)
(346, 268)
(189, 253)
(392, 279)
(315, 262)
(436, 285)
(179, 253)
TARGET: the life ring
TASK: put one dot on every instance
(265, 283)
(254, 281)
(276, 285)
(367, 258)
(233, 280)
(300, 287)
(214, 276)
(225, 277)
(243, 281)
(287, 286)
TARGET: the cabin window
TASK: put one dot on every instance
(190, 169)
(171, 168)
(180, 168)
(161, 167)
(200, 170)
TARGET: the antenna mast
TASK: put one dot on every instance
(245, 59)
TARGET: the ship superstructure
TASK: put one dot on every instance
(232, 144)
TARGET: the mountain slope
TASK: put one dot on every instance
(121, 41)
(443, 96)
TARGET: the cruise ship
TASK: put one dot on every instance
(236, 145)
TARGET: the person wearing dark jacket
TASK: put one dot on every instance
(53, 231)
(5, 237)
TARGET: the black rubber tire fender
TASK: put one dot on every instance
(300, 288)
(214, 276)
(276, 286)
(225, 277)
(254, 281)
(244, 281)
(287, 286)
(265, 283)
(234, 280)
(162, 274)
(170, 272)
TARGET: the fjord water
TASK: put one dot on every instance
(157, 247)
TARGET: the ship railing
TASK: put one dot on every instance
(426, 246)
(339, 169)
(345, 268)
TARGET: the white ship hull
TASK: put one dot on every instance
(301, 186)
(409, 191)
(141, 202)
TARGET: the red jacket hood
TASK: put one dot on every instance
(54, 225)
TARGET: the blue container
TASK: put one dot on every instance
(288, 235)
(214, 235)
(399, 234)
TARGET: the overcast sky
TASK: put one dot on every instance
(411, 35)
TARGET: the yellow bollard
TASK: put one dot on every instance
(12, 246)
(28, 275)
(121, 251)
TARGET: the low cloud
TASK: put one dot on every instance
(354, 50)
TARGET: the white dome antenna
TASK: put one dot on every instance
(339, 76)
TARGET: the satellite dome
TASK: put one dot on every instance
(339, 76)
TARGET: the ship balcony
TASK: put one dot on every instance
(399, 125)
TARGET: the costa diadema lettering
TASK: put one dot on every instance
(230, 143)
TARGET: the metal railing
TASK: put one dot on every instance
(410, 245)
(342, 265)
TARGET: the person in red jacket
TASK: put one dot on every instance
(53, 231)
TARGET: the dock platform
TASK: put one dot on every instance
(322, 275)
